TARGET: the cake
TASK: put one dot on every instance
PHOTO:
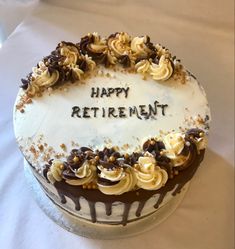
(113, 129)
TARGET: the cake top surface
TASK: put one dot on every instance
(116, 92)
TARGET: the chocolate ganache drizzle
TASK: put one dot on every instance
(108, 169)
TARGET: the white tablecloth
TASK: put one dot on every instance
(199, 32)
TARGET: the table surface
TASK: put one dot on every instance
(198, 32)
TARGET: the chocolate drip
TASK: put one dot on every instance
(62, 197)
(140, 195)
(93, 196)
(109, 158)
(127, 207)
(77, 204)
(160, 199)
(92, 211)
(108, 208)
(140, 208)
(180, 180)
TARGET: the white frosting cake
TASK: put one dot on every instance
(127, 132)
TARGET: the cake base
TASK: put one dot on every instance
(95, 230)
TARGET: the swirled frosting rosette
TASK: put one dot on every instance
(117, 180)
(149, 175)
(174, 146)
(55, 172)
(86, 173)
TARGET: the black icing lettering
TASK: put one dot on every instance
(95, 109)
(122, 112)
(133, 110)
(111, 111)
(75, 111)
(95, 92)
(163, 109)
(104, 93)
(126, 91)
(103, 112)
(152, 110)
(110, 91)
(143, 111)
(85, 112)
(118, 91)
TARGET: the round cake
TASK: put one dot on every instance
(113, 129)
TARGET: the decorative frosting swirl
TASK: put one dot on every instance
(99, 45)
(142, 66)
(85, 174)
(69, 61)
(44, 77)
(76, 72)
(139, 47)
(174, 144)
(163, 70)
(113, 175)
(70, 55)
(120, 44)
(41, 76)
(55, 172)
(149, 175)
(122, 180)
(90, 63)
(32, 89)
(97, 48)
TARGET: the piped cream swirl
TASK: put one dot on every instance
(76, 71)
(142, 66)
(91, 64)
(70, 55)
(120, 44)
(45, 78)
(139, 47)
(149, 175)
(174, 144)
(55, 172)
(99, 45)
(163, 70)
(41, 77)
(125, 178)
(85, 174)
